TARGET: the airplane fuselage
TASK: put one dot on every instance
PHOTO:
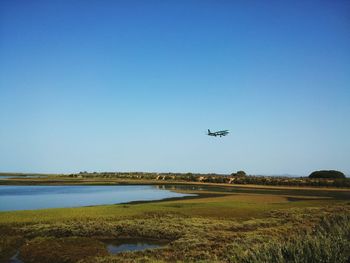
(218, 133)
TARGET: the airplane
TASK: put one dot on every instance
(218, 133)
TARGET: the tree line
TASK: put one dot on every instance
(329, 178)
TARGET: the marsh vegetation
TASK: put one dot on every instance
(222, 224)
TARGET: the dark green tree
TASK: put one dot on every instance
(329, 174)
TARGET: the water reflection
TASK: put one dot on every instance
(15, 258)
(125, 245)
(38, 197)
(21, 176)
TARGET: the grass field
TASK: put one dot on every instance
(223, 224)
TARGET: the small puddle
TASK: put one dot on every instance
(15, 259)
(128, 245)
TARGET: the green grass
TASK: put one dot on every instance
(240, 226)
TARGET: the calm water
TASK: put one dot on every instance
(39, 197)
(21, 176)
(6, 176)
(118, 246)
(15, 258)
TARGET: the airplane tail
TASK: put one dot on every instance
(209, 131)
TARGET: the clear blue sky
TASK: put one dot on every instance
(134, 85)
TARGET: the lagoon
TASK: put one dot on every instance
(14, 176)
(39, 197)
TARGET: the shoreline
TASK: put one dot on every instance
(99, 181)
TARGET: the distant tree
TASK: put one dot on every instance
(330, 174)
(239, 174)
